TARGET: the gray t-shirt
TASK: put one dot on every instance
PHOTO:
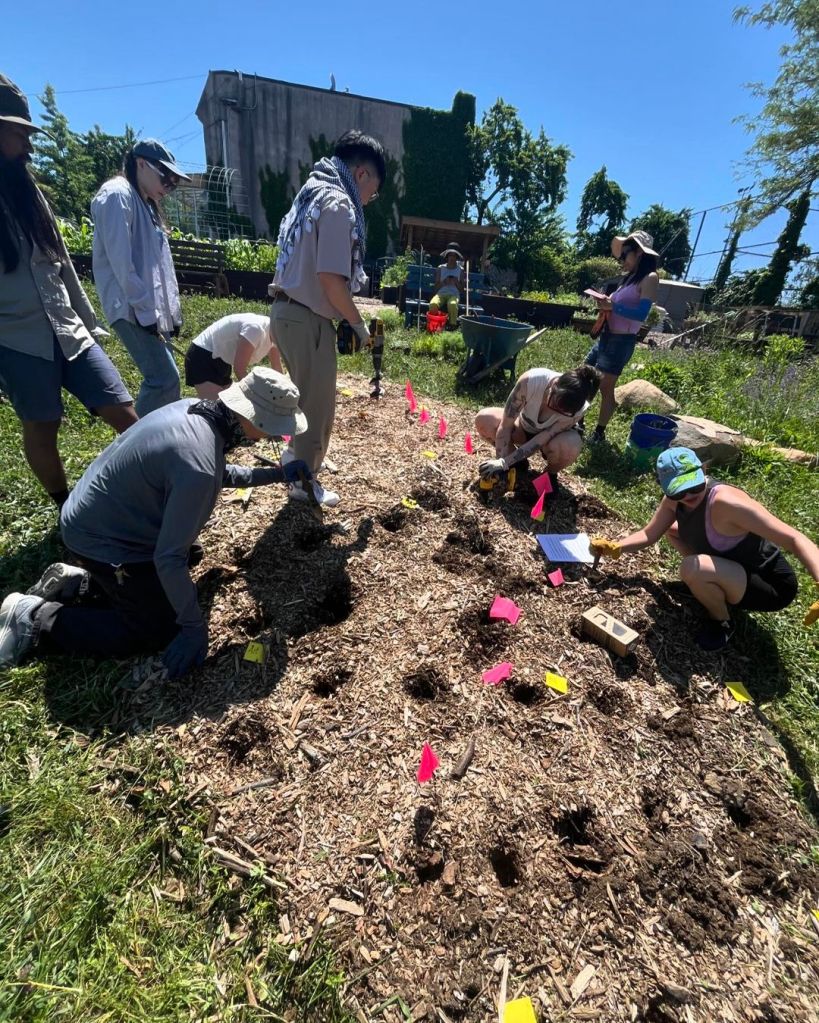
(326, 248)
(148, 495)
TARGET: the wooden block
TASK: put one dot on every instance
(606, 630)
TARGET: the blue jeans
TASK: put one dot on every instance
(154, 359)
(611, 352)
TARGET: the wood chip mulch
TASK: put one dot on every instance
(630, 850)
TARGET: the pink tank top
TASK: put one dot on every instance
(718, 540)
(630, 294)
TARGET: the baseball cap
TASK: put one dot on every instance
(14, 106)
(152, 149)
(269, 400)
(679, 469)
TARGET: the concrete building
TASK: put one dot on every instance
(272, 132)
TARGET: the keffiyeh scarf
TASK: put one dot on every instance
(330, 185)
(223, 419)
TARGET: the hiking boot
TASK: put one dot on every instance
(598, 437)
(61, 582)
(196, 552)
(18, 630)
(714, 636)
(327, 498)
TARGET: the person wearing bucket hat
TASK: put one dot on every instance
(133, 267)
(449, 283)
(731, 546)
(48, 328)
(622, 314)
(131, 520)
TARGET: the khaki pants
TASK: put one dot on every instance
(307, 343)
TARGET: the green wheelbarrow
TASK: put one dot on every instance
(492, 344)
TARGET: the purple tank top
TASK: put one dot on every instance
(630, 294)
(718, 540)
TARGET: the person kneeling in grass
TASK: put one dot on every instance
(543, 413)
(234, 343)
(131, 520)
(730, 546)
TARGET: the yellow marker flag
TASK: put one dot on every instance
(429, 454)
(346, 392)
(815, 913)
(519, 1011)
(556, 682)
(241, 494)
(739, 692)
(408, 502)
(255, 652)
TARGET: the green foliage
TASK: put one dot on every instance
(668, 376)
(783, 160)
(740, 288)
(602, 215)
(397, 272)
(769, 287)
(518, 180)
(436, 164)
(670, 233)
(556, 297)
(392, 320)
(589, 273)
(727, 260)
(276, 196)
(78, 240)
(447, 346)
(781, 349)
(241, 254)
(382, 215)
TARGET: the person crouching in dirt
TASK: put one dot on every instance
(729, 542)
(543, 413)
(131, 520)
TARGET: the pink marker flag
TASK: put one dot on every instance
(468, 445)
(492, 676)
(409, 394)
(542, 484)
(503, 607)
(556, 577)
(429, 764)
(443, 426)
(537, 511)
(286, 438)
(424, 416)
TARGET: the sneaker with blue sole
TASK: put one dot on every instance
(17, 627)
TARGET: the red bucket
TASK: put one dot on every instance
(436, 321)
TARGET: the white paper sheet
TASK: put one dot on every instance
(572, 547)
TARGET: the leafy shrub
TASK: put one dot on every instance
(556, 297)
(782, 348)
(241, 254)
(667, 376)
(392, 319)
(77, 239)
(590, 272)
(397, 272)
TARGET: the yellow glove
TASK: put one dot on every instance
(607, 548)
(813, 611)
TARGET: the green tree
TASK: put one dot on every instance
(63, 168)
(516, 180)
(769, 287)
(784, 156)
(670, 233)
(106, 152)
(602, 214)
(728, 256)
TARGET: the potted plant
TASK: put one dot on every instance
(394, 276)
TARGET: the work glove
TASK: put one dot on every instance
(362, 332)
(186, 650)
(606, 548)
(813, 611)
(492, 467)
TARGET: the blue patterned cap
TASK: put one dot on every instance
(679, 469)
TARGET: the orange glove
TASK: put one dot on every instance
(813, 611)
(607, 548)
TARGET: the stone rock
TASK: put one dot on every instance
(712, 442)
(788, 454)
(643, 394)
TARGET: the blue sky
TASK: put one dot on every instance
(648, 89)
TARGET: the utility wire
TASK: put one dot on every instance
(129, 85)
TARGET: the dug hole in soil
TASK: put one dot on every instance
(631, 850)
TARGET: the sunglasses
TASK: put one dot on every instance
(686, 493)
(167, 179)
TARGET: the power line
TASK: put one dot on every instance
(129, 85)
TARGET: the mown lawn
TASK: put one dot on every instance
(109, 906)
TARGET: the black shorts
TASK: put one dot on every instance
(770, 588)
(203, 368)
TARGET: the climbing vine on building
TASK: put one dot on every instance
(436, 160)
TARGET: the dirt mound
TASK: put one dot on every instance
(636, 837)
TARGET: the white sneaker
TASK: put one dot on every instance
(327, 498)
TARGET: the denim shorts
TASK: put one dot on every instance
(34, 385)
(611, 352)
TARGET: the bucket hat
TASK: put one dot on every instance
(642, 239)
(14, 108)
(269, 400)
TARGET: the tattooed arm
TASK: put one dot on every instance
(541, 439)
(511, 411)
